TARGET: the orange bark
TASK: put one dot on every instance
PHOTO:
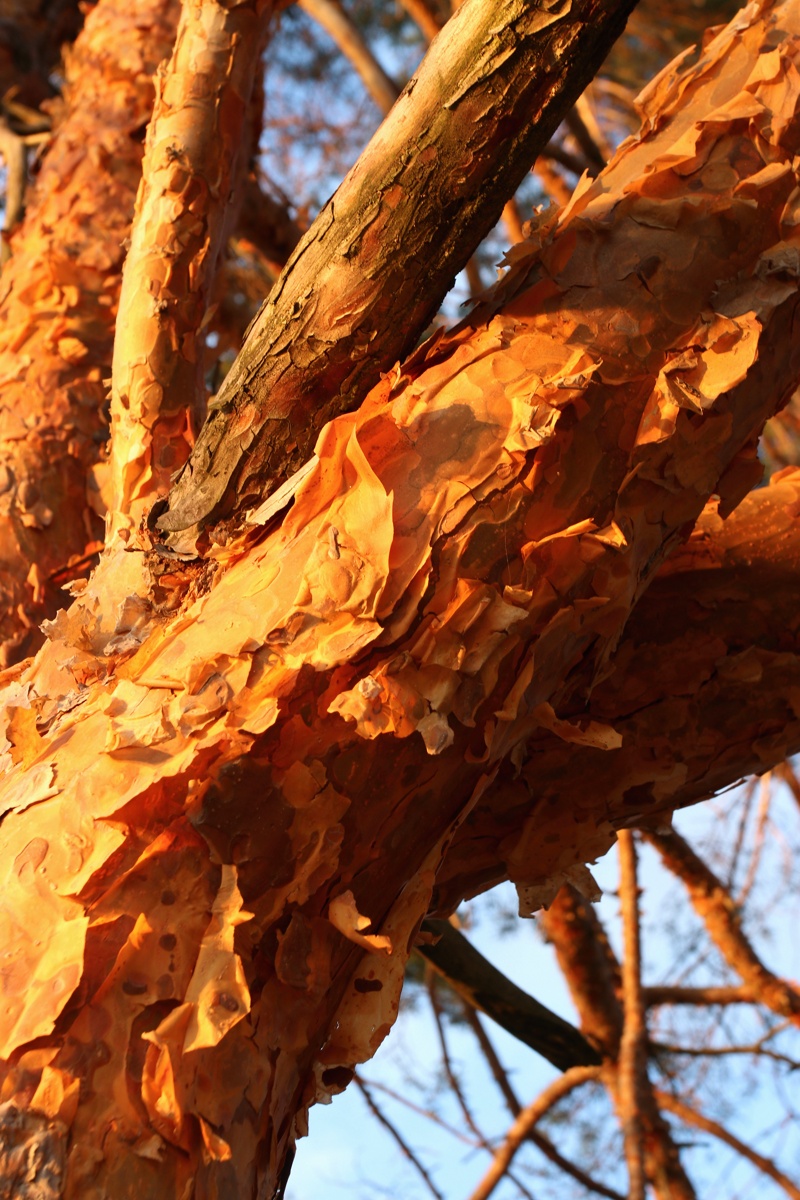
(223, 823)
(58, 301)
(194, 139)
(702, 691)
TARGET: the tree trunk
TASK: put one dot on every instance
(58, 300)
(224, 818)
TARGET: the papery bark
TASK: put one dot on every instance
(701, 691)
(58, 299)
(194, 138)
(372, 271)
(271, 779)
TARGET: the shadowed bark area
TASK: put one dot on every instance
(364, 283)
(58, 299)
(702, 691)
(224, 821)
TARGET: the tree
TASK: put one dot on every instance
(289, 715)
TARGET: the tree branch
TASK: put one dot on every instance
(515, 1108)
(690, 1116)
(401, 1142)
(632, 1060)
(680, 693)
(490, 92)
(331, 17)
(485, 988)
(57, 310)
(527, 1119)
(715, 906)
(194, 139)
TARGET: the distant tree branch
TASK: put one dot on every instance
(333, 18)
(485, 988)
(527, 1119)
(715, 906)
(690, 1116)
(662, 994)
(398, 1137)
(515, 1108)
(632, 1060)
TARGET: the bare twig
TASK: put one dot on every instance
(409, 1153)
(526, 1120)
(428, 1113)
(749, 792)
(515, 1108)
(452, 1079)
(764, 800)
(690, 1116)
(632, 1062)
(716, 907)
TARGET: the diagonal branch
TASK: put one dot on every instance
(715, 906)
(515, 1108)
(485, 988)
(398, 1137)
(690, 1116)
(525, 1122)
(428, 188)
(332, 17)
(194, 139)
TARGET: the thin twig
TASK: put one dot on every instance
(691, 1116)
(515, 1108)
(432, 985)
(764, 800)
(520, 1130)
(409, 1153)
(749, 792)
(428, 1113)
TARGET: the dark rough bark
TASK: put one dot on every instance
(372, 271)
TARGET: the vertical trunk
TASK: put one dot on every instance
(58, 299)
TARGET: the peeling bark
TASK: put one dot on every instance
(193, 141)
(58, 298)
(269, 775)
(701, 690)
(372, 271)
